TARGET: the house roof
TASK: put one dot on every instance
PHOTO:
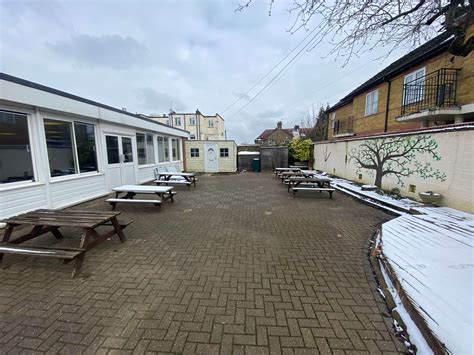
(33, 85)
(423, 52)
(288, 131)
(306, 132)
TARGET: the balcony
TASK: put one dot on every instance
(344, 127)
(434, 91)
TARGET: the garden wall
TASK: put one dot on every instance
(439, 160)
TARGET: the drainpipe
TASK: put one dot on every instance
(387, 106)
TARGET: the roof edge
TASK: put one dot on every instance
(33, 85)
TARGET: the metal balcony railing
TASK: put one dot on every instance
(343, 126)
(434, 90)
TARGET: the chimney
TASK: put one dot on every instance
(279, 124)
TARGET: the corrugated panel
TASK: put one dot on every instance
(21, 200)
(76, 190)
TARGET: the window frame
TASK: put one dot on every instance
(225, 151)
(372, 102)
(178, 149)
(146, 135)
(194, 152)
(421, 94)
(78, 174)
(33, 152)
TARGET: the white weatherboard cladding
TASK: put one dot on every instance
(58, 192)
(77, 189)
(32, 97)
(22, 199)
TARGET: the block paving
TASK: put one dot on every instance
(234, 266)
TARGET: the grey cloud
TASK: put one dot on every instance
(158, 102)
(276, 114)
(110, 51)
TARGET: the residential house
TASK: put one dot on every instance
(59, 149)
(199, 126)
(278, 136)
(428, 87)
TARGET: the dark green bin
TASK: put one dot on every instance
(256, 165)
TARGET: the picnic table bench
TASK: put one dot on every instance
(163, 192)
(174, 178)
(287, 174)
(314, 183)
(278, 171)
(45, 221)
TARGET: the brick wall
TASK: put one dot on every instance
(373, 124)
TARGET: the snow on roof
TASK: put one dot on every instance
(248, 153)
(433, 257)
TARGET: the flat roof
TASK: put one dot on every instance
(33, 85)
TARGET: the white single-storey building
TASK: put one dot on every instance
(58, 149)
(211, 156)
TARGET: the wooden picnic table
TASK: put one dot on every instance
(44, 221)
(297, 181)
(287, 174)
(278, 171)
(163, 192)
(166, 178)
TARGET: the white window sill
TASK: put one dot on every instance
(75, 176)
(19, 185)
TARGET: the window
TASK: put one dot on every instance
(85, 143)
(177, 121)
(175, 149)
(161, 150)
(194, 152)
(60, 148)
(145, 149)
(112, 144)
(414, 86)
(371, 102)
(192, 120)
(15, 150)
(127, 150)
(333, 119)
(71, 147)
(224, 152)
(192, 136)
(167, 149)
(210, 123)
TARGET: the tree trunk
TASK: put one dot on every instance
(378, 178)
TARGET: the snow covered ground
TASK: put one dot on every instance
(432, 255)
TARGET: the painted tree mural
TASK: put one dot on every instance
(397, 156)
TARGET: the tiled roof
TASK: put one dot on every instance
(425, 51)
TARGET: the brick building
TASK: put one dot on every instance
(280, 135)
(427, 87)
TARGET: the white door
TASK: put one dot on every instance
(120, 165)
(210, 158)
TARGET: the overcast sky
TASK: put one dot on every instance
(148, 55)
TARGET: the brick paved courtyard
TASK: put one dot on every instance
(236, 265)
